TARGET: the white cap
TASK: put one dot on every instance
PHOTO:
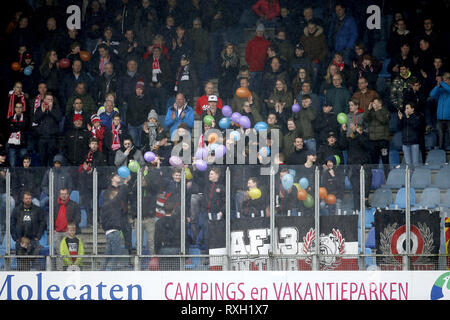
(212, 98)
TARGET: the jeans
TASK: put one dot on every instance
(135, 133)
(443, 128)
(16, 156)
(411, 154)
(113, 247)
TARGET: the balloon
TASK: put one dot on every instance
(188, 173)
(149, 156)
(64, 63)
(213, 137)
(201, 165)
(322, 193)
(297, 186)
(85, 56)
(201, 153)
(338, 159)
(342, 118)
(235, 135)
(296, 107)
(227, 111)
(254, 193)
(220, 151)
(235, 117)
(175, 161)
(213, 146)
(304, 183)
(242, 92)
(309, 201)
(292, 172)
(330, 199)
(264, 151)
(261, 126)
(301, 194)
(244, 122)
(134, 166)
(27, 71)
(15, 66)
(224, 123)
(287, 181)
(123, 172)
(208, 120)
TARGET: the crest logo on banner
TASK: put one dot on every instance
(440, 289)
(331, 248)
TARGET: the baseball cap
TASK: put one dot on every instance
(212, 98)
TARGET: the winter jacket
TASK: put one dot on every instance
(48, 121)
(442, 95)
(365, 98)
(62, 178)
(339, 98)
(304, 121)
(121, 159)
(263, 7)
(358, 148)
(114, 211)
(378, 124)
(315, 44)
(397, 88)
(64, 251)
(27, 222)
(137, 107)
(76, 145)
(167, 233)
(213, 199)
(173, 124)
(73, 212)
(20, 127)
(256, 53)
(412, 128)
(202, 103)
(346, 35)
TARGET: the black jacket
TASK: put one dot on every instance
(19, 126)
(412, 128)
(359, 148)
(114, 211)
(76, 145)
(138, 108)
(73, 212)
(27, 222)
(48, 121)
(167, 233)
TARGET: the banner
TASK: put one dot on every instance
(296, 239)
(390, 237)
(447, 240)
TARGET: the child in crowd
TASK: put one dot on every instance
(71, 245)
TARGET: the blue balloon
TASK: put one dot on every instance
(287, 181)
(304, 183)
(261, 126)
(27, 71)
(224, 123)
(264, 151)
(123, 172)
(235, 135)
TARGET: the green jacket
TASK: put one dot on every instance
(397, 87)
(64, 251)
(378, 124)
(304, 121)
(288, 143)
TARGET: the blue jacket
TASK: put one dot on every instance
(346, 35)
(173, 124)
(442, 95)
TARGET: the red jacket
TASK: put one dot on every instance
(262, 7)
(256, 53)
(203, 100)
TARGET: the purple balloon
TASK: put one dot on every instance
(296, 107)
(202, 153)
(244, 122)
(235, 117)
(149, 156)
(201, 164)
(227, 111)
(175, 161)
(220, 151)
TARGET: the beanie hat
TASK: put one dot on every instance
(140, 83)
(260, 27)
(77, 116)
(95, 118)
(332, 159)
(152, 114)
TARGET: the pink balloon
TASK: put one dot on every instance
(201, 164)
(295, 107)
(175, 161)
(227, 111)
(235, 117)
(149, 156)
(244, 122)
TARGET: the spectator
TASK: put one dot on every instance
(109, 40)
(267, 11)
(298, 155)
(402, 57)
(47, 118)
(52, 37)
(97, 130)
(301, 77)
(250, 207)
(130, 47)
(211, 109)
(333, 180)
(25, 248)
(186, 79)
(202, 102)
(71, 245)
(306, 89)
(327, 82)
(180, 112)
(441, 93)
(285, 199)
(330, 147)
(300, 60)
(125, 15)
(146, 23)
(127, 153)
(364, 94)
(273, 53)
(280, 101)
(107, 116)
(289, 137)
(163, 150)
(326, 121)
(18, 125)
(253, 98)
(27, 220)
(26, 178)
(344, 68)
(76, 109)
(368, 70)
(355, 116)
(76, 142)
(411, 124)
(343, 32)
(284, 46)
(256, 56)
(228, 71)
(138, 104)
(398, 86)
(100, 59)
(270, 78)
(250, 112)
(106, 83)
(50, 73)
(181, 45)
(89, 105)
(338, 95)
(200, 49)
(114, 138)
(71, 80)
(150, 131)
(398, 37)
(94, 22)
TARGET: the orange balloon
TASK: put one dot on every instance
(301, 194)
(15, 66)
(322, 193)
(213, 137)
(331, 199)
(64, 63)
(242, 92)
(85, 56)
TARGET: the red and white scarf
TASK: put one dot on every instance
(11, 104)
(115, 140)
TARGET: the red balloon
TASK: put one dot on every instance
(85, 56)
(242, 92)
(64, 63)
(15, 66)
(331, 199)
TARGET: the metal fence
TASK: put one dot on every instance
(138, 248)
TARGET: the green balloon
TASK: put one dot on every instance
(309, 201)
(134, 166)
(342, 118)
(338, 159)
(208, 120)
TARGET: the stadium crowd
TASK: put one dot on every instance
(138, 71)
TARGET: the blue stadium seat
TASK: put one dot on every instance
(400, 199)
(421, 178)
(384, 73)
(75, 196)
(370, 240)
(382, 198)
(396, 178)
(378, 179)
(429, 199)
(442, 178)
(435, 158)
